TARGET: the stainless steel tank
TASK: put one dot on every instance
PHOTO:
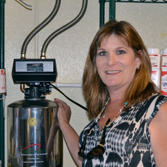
(34, 139)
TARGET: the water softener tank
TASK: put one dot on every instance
(34, 139)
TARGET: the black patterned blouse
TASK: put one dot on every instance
(127, 139)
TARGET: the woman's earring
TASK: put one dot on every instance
(138, 67)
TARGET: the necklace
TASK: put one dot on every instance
(103, 109)
(105, 112)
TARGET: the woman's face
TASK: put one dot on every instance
(116, 63)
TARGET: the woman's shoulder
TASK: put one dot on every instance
(158, 133)
(158, 98)
(163, 107)
(158, 103)
(161, 100)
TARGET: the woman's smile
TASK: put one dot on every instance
(113, 71)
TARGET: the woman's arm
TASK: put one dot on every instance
(158, 134)
(70, 135)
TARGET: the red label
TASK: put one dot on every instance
(2, 72)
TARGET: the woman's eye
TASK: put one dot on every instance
(101, 53)
(120, 52)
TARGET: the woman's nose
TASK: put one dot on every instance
(111, 59)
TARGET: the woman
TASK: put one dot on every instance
(129, 118)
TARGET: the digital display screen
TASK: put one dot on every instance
(35, 67)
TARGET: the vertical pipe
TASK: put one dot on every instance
(2, 32)
(112, 10)
(102, 12)
(2, 48)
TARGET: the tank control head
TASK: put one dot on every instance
(37, 74)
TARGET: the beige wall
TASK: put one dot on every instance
(70, 48)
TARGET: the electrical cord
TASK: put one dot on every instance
(69, 98)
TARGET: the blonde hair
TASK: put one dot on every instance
(140, 89)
